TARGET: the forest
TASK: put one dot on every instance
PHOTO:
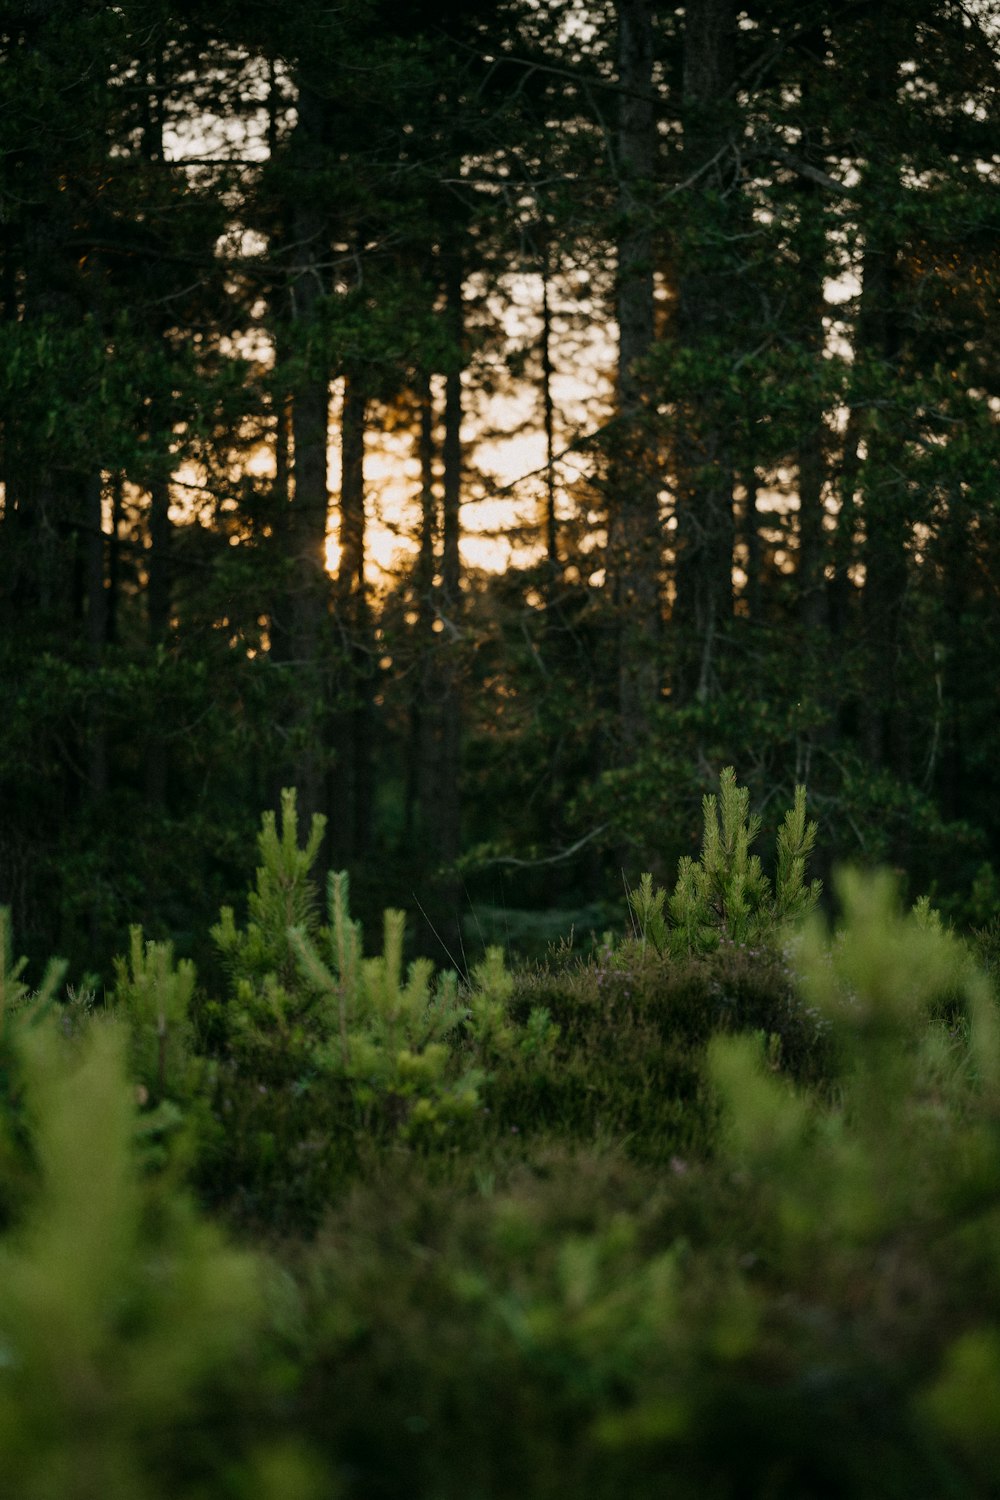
(521, 477)
(492, 434)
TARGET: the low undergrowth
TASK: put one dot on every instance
(713, 1210)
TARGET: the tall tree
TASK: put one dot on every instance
(704, 323)
(634, 538)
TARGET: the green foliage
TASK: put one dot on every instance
(153, 995)
(125, 1318)
(283, 898)
(884, 967)
(387, 1035)
(692, 1215)
(711, 1211)
(894, 1184)
(20, 1011)
(806, 1307)
(623, 1045)
(14, 993)
(322, 1051)
(726, 894)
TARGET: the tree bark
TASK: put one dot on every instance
(634, 541)
(811, 257)
(114, 547)
(885, 505)
(751, 529)
(97, 628)
(440, 814)
(158, 588)
(418, 766)
(158, 594)
(548, 415)
(353, 771)
(307, 512)
(159, 580)
(448, 809)
(705, 323)
(884, 496)
(351, 568)
(811, 456)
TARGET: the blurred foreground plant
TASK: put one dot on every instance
(124, 1319)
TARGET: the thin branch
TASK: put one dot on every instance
(814, 174)
(576, 446)
(551, 859)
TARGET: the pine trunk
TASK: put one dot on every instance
(353, 772)
(634, 541)
(884, 494)
(704, 460)
(307, 513)
(418, 794)
(97, 629)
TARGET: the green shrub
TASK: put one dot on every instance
(125, 1320)
(322, 1053)
(725, 895)
(806, 1308)
(713, 1212)
(19, 1010)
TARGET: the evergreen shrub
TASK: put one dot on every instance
(710, 1212)
(133, 1340)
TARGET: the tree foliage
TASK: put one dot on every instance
(761, 532)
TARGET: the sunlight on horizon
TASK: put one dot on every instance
(502, 506)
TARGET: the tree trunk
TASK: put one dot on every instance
(885, 499)
(634, 470)
(351, 568)
(441, 709)
(946, 764)
(307, 512)
(97, 628)
(278, 599)
(884, 495)
(705, 322)
(158, 588)
(448, 803)
(158, 600)
(159, 581)
(548, 416)
(751, 529)
(353, 772)
(811, 256)
(115, 554)
(811, 456)
(417, 795)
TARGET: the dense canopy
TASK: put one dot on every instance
(491, 419)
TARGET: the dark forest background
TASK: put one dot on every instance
(231, 230)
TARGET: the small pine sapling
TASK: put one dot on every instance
(284, 897)
(489, 1001)
(647, 909)
(15, 995)
(155, 996)
(385, 1032)
(726, 894)
(21, 1009)
(794, 899)
(270, 999)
